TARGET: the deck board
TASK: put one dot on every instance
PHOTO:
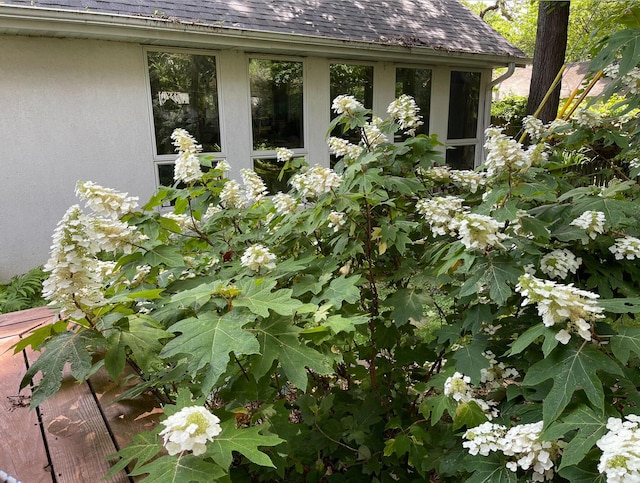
(22, 450)
(82, 423)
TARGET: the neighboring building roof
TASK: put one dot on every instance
(439, 25)
(518, 84)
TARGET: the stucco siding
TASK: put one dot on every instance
(70, 110)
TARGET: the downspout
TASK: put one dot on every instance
(488, 99)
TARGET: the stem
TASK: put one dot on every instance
(195, 227)
(334, 440)
(246, 376)
(375, 302)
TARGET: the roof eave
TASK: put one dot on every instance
(35, 21)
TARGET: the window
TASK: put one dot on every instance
(417, 84)
(464, 101)
(353, 80)
(184, 94)
(276, 104)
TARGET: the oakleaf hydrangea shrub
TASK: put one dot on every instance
(386, 319)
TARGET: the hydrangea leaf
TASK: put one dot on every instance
(470, 360)
(208, 339)
(179, 469)
(490, 470)
(259, 299)
(571, 369)
(142, 448)
(164, 255)
(66, 348)
(341, 289)
(590, 426)
(407, 303)
(279, 341)
(468, 414)
(243, 440)
(338, 324)
(142, 338)
(626, 342)
(580, 475)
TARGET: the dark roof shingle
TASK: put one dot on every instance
(443, 25)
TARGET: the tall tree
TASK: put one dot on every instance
(548, 57)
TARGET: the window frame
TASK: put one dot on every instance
(271, 153)
(169, 159)
(429, 67)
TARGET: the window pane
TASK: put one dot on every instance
(417, 84)
(461, 157)
(269, 170)
(464, 100)
(352, 80)
(184, 94)
(276, 104)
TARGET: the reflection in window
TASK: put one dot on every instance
(417, 84)
(464, 100)
(269, 170)
(461, 157)
(276, 104)
(352, 80)
(184, 94)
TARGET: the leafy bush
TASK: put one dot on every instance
(509, 113)
(23, 291)
(298, 321)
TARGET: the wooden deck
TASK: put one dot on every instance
(67, 438)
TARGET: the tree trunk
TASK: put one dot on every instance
(548, 57)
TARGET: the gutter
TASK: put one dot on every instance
(45, 22)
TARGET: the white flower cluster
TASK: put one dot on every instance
(187, 165)
(497, 372)
(232, 195)
(592, 222)
(459, 389)
(283, 155)
(439, 213)
(342, 147)
(557, 303)
(347, 105)
(631, 79)
(189, 430)
(255, 189)
(620, 447)
(315, 181)
(478, 231)
(587, 118)
(112, 235)
(467, 179)
(627, 247)
(447, 215)
(504, 153)
(105, 201)
(404, 111)
(337, 219)
(285, 203)
(463, 178)
(372, 135)
(559, 263)
(521, 442)
(256, 257)
(222, 165)
(534, 127)
(74, 275)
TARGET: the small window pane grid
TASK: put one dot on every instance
(417, 84)
(184, 94)
(276, 104)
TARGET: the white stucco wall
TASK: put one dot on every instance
(69, 110)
